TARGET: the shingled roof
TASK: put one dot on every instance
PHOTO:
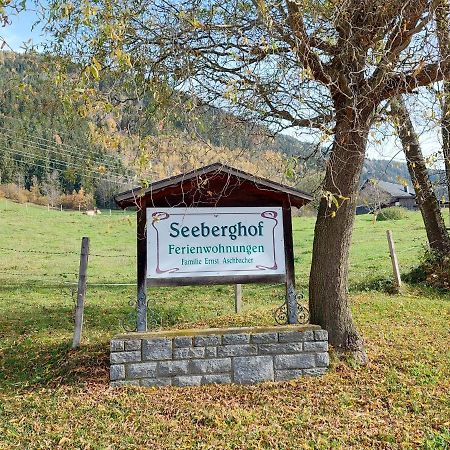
(216, 184)
(393, 189)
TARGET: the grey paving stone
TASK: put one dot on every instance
(117, 372)
(168, 368)
(188, 352)
(264, 338)
(150, 382)
(133, 344)
(207, 366)
(304, 361)
(156, 349)
(280, 349)
(240, 338)
(295, 336)
(318, 346)
(210, 352)
(321, 335)
(252, 369)
(124, 357)
(189, 380)
(317, 371)
(322, 359)
(203, 341)
(217, 378)
(117, 346)
(237, 350)
(141, 370)
(182, 341)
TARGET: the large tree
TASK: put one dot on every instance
(443, 34)
(429, 206)
(325, 65)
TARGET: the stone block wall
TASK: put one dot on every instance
(243, 355)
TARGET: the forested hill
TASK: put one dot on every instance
(46, 144)
(385, 170)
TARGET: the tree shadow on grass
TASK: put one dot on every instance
(26, 366)
(35, 344)
(379, 284)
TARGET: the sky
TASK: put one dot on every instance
(23, 31)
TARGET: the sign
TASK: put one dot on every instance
(214, 242)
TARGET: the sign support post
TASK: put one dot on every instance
(141, 269)
(237, 298)
(291, 300)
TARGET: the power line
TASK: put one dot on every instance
(65, 163)
(52, 130)
(123, 183)
(44, 252)
(55, 149)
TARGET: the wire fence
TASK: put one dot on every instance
(59, 278)
(69, 278)
(66, 253)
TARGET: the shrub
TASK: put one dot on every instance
(14, 192)
(433, 270)
(77, 200)
(393, 213)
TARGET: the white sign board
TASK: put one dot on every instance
(214, 242)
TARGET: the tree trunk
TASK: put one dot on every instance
(438, 237)
(445, 130)
(328, 283)
(443, 34)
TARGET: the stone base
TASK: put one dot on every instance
(245, 355)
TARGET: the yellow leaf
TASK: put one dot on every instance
(63, 440)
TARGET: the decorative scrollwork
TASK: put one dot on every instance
(280, 313)
(129, 322)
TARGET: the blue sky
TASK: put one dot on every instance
(21, 30)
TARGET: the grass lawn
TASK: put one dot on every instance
(51, 397)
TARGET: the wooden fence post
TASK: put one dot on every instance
(395, 268)
(237, 298)
(82, 277)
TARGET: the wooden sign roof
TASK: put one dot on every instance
(213, 185)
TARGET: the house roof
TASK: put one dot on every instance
(394, 189)
(191, 186)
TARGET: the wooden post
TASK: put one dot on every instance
(395, 268)
(141, 269)
(79, 310)
(237, 298)
(291, 301)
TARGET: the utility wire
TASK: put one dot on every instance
(52, 130)
(43, 252)
(123, 183)
(66, 164)
(43, 147)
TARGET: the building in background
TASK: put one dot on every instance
(376, 194)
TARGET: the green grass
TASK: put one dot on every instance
(52, 397)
